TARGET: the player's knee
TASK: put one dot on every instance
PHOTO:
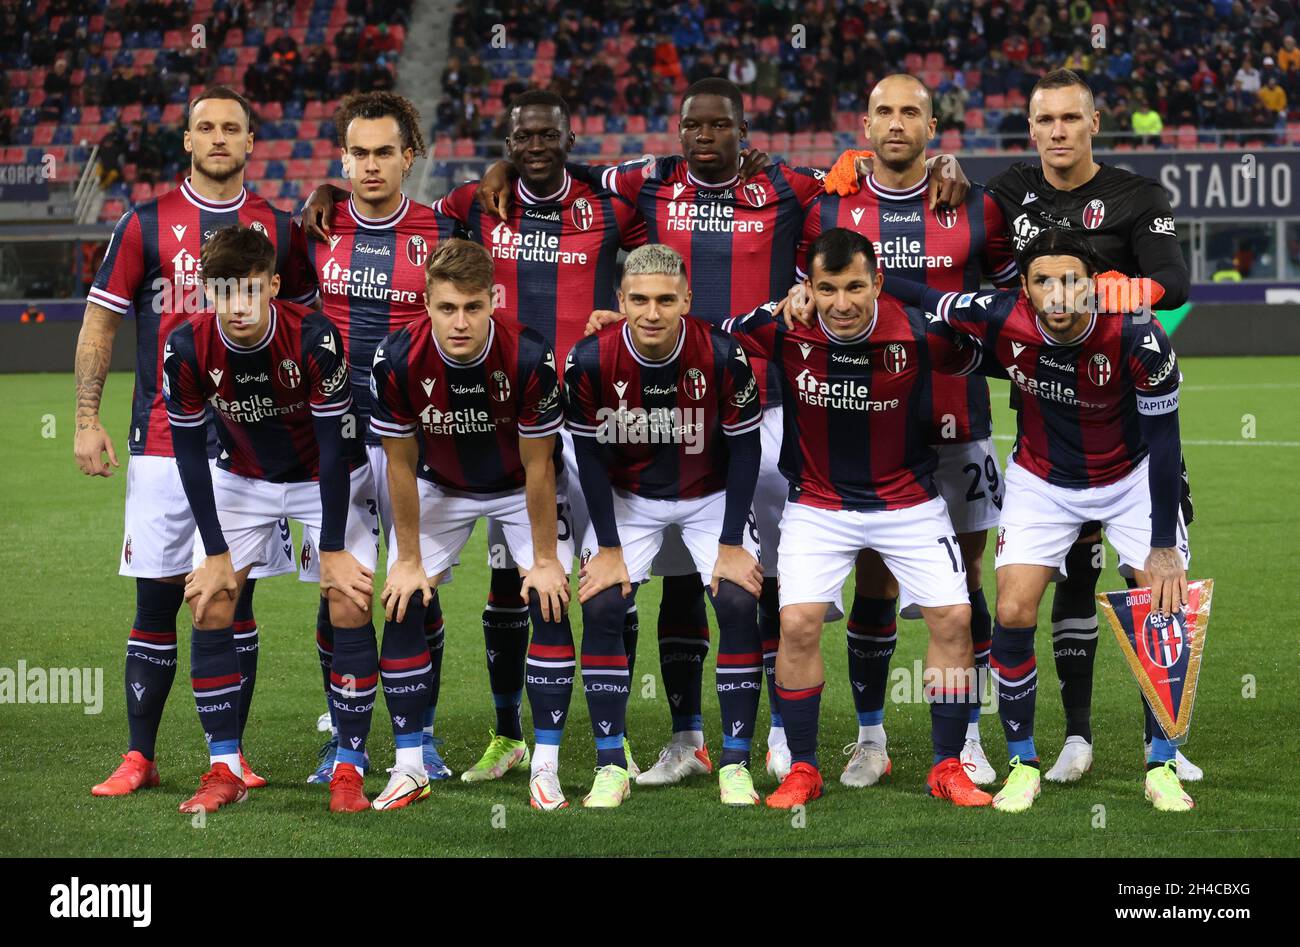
(734, 605)
(1016, 612)
(603, 613)
(344, 612)
(801, 629)
(949, 624)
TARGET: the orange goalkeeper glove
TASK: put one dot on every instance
(842, 179)
(1119, 293)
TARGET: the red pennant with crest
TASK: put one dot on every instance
(1164, 654)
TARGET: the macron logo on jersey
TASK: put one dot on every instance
(1150, 343)
(1030, 197)
(1016, 349)
(620, 387)
(217, 374)
(427, 385)
(327, 344)
(856, 214)
(178, 231)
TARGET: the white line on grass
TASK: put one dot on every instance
(1187, 443)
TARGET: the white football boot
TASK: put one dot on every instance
(978, 767)
(405, 787)
(868, 762)
(1074, 761)
(544, 790)
(679, 759)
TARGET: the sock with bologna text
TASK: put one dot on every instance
(354, 679)
(872, 635)
(505, 636)
(246, 649)
(1074, 636)
(604, 673)
(683, 648)
(405, 674)
(214, 675)
(551, 667)
(1015, 674)
(739, 671)
(151, 660)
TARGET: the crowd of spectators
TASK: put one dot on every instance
(358, 57)
(1154, 64)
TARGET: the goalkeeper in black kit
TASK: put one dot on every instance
(1127, 220)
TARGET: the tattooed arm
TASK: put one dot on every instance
(94, 351)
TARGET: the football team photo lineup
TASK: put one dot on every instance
(716, 412)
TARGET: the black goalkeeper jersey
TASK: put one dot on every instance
(1125, 216)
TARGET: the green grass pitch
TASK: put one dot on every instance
(65, 606)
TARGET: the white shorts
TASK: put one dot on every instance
(571, 517)
(447, 518)
(643, 525)
(1040, 521)
(969, 479)
(249, 511)
(918, 545)
(770, 493)
(160, 528)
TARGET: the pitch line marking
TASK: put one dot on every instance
(1187, 443)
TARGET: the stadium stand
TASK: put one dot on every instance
(118, 75)
(1184, 74)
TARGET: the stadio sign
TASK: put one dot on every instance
(1200, 184)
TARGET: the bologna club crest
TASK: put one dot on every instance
(500, 386)
(1164, 653)
(947, 217)
(582, 214)
(290, 377)
(1094, 214)
(1099, 370)
(305, 557)
(417, 250)
(695, 385)
(126, 551)
(755, 194)
(895, 358)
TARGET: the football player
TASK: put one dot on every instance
(151, 268)
(665, 413)
(483, 396)
(276, 376)
(1098, 441)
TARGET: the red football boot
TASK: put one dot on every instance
(217, 787)
(801, 785)
(134, 772)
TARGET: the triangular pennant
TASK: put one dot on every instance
(1164, 654)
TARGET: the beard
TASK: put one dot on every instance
(221, 175)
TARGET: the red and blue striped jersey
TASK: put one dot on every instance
(264, 395)
(856, 410)
(946, 248)
(556, 259)
(371, 278)
(469, 416)
(1078, 415)
(151, 266)
(738, 239)
(663, 424)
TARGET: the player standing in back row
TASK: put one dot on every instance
(370, 269)
(152, 267)
(1130, 227)
(952, 248)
